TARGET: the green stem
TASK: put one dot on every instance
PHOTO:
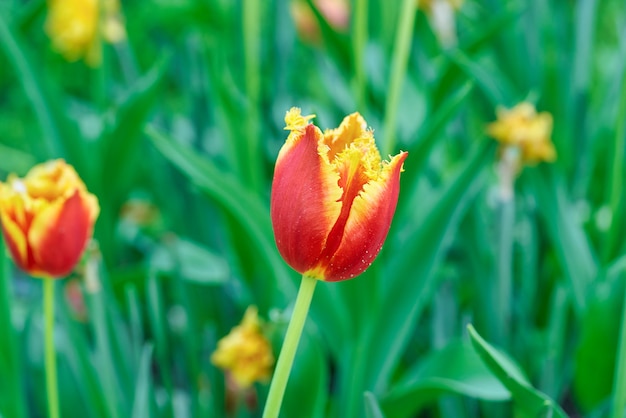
(617, 171)
(252, 15)
(398, 71)
(290, 345)
(103, 341)
(618, 403)
(506, 219)
(359, 40)
(50, 352)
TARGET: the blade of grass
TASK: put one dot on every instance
(577, 143)
(491, 83)
(553, 378)
(399, 62)
(143, 403)
(429, 134)
(106, 366)
(78, 356)
(251, 151)
(372, 409)
(618, 401)
(616, 195)
(136, 327)
(60, 137)
(15, 52)
(159, 328)
(359, 40)
(566, 233)
(12, 401)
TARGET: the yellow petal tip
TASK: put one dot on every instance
(294, 120)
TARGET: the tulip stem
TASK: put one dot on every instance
(618, 402)
(359, 41)
(399, 63)
(50, 352)
(290, 345)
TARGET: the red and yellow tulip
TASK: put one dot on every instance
(47, 218)
(333, 198)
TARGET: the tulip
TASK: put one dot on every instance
(333, 198)
(332, 202)
(47, 219)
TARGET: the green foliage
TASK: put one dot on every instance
(177, 131)
(527, 401)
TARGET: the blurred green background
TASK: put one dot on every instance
(176, 131)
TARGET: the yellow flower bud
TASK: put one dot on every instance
(524, 128)
(76, 26)
(245, 352)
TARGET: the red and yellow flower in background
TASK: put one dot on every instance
(47, 218)
(76, 27)
(335, 12)
(333, 198)
(525, 129)
(245, 353)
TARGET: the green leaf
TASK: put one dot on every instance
(60, 136)
(78, 356)
(599, 327)
(143, 403)
(429, 133)
(372, 408)
(565, 231)
(412, 279)
(455, 369)
(192, 261)
(527, 401)
(15, 161)
(120, 140)
(12, 402)
(492, 83)
(246, 208)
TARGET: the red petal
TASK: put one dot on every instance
(305, 200)
(367, 225)
(59, 234)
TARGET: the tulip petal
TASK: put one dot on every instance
(302, 223)
(368, 224)
(16, 241)
(59, 233)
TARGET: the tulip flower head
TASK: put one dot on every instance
(47, 218)
(522, 127)
(333, 198)
(245, 352)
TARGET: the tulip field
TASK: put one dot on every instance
(312, 208)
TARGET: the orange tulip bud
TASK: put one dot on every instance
(333, 198)
(47, 218)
